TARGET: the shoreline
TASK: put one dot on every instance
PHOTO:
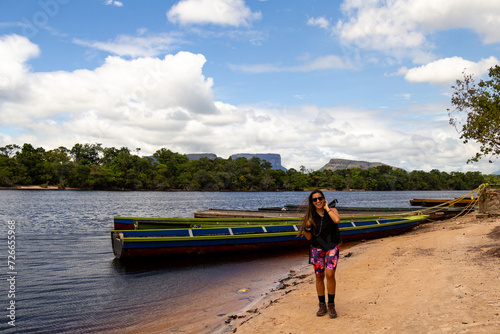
(32, 187)
(440, 277)
(51, 187)
(38, 187)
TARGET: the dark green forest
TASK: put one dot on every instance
(93, 167)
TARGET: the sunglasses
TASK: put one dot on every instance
(318, 199)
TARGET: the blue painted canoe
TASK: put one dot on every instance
(145, 223)
(175, 242)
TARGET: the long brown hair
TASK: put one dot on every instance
(310, 210)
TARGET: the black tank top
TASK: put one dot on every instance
(326, 234)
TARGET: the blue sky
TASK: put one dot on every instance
(311, 80)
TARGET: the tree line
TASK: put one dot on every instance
(94, 167)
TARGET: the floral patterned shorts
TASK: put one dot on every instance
(321, 257)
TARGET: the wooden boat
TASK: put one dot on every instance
(416, 202)
(176, 242)
(143, 223)
(271, 213)
(342, 209)
(435, 213)
(429, 202)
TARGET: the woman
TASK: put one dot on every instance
(320, 227)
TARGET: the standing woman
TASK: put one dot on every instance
(320, 227)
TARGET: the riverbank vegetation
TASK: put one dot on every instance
(91, 166)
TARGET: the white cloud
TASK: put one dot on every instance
(137, 46)
(401, 27)
(321, 22)
(154, 99)
(448, 70)
(310, 135)
(221, 12)
(167, 102)
(14, 52)
(113, 3)
(317, 64)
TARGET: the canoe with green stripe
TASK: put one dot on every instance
(175, 242)
(146, 223)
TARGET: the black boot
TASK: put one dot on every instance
(322, 310)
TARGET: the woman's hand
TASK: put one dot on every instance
(308, 230)
(333, 213)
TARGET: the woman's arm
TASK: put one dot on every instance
(333, 213)
(308, 230)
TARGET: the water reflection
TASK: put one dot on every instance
(203, 261)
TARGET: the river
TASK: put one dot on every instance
(64, 278)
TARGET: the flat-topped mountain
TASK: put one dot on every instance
(198, 156)
(273, 158)
(335, 164)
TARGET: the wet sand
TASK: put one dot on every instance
(443, 277)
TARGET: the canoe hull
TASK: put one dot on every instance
(171, 250)
(138, 223)
(431, 202)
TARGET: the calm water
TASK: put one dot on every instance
(67, 280)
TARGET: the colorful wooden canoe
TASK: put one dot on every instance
(144, 223)
(176, 242)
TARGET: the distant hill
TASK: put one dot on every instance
(274, 159)
(496, 173)
(198, 156)
(335, 164)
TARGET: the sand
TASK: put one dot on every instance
(443, 277)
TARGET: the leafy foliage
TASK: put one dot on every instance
(481, 103)
(91, 166)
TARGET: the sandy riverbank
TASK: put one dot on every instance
(443, 277)
(36, 188)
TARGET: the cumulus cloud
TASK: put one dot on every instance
(310, 135)
(167, 102)
(14, 52)
(401, 27)
(140, 96)
(220, 12)
(448, 70)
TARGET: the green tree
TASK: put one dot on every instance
(32, 166)
(87, 154)
(296, 180)
(8, 165)
(59, 165)
(173, 161)
(418, 180)
(481, 103)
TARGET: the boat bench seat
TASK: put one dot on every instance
(210, 231)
